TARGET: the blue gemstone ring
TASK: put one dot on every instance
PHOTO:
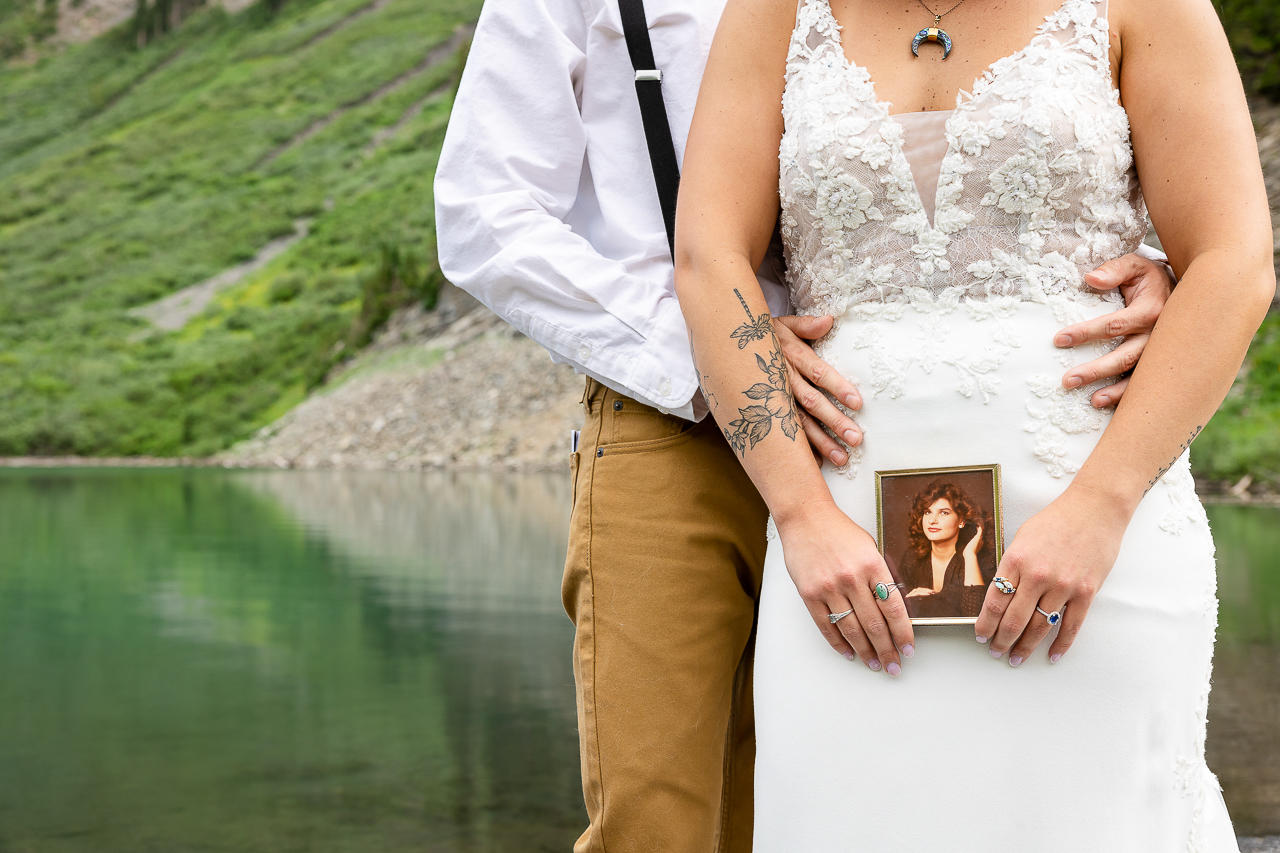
(1004, 586)
(1054, 618)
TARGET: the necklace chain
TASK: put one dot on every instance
(937, 17)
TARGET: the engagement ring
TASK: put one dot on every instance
(836, 617)
(1054, 618)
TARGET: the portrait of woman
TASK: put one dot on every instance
(949, 560)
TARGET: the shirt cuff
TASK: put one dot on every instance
(663, 374)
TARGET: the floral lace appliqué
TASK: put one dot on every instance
(1055, 414)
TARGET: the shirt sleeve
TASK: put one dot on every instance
(510, 173)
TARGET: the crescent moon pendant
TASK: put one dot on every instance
(933, 34)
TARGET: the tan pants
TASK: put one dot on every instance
(666, 549)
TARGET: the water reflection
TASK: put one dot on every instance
(1244, 708)
(351, 661)
(465, 541)
(184, 665)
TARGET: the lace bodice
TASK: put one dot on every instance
(1037, 186)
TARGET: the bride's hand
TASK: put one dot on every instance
(1058, 561)
(835, 566)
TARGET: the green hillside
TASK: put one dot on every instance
(127, 174)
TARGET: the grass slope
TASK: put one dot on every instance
(128, 174)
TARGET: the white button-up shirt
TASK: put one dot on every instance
(546, 208)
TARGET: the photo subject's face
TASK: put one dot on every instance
(940, 521)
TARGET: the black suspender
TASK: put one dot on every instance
(657, 131)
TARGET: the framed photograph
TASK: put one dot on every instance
(940, 531)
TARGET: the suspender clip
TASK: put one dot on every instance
(652, 74)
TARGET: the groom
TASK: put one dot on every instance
(547, 212)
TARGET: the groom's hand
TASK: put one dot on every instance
(812, 379)
(1146, 286)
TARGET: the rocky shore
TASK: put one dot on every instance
(454, 387)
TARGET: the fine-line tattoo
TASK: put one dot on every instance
(712, 402)
(773, 397)
(1181, 450)
(755, 329)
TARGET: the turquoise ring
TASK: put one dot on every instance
(883, 589)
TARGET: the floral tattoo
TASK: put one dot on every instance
(755, 329)
(773, 396)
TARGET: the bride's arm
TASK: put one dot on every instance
(1197, 158)
(727, 210)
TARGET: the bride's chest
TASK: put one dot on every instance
(1040, 132)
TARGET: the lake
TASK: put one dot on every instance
(204, 660)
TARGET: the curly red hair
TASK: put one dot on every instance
(966, 509)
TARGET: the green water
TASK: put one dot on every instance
(337, 661)
(200, 661)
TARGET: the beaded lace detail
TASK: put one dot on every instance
(1037, 186)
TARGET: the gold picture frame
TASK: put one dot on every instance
(913, 556)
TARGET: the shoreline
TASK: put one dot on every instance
(1209, 492)
(50, 462)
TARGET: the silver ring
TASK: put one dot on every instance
(1004, 586)
(836, 617)
(882, 590)
(1054, 618)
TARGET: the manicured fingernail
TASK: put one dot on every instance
(848, 655)
(874, 664)
(996, 654)
(1103, 400)
(981, 639)
(851, 400)
(909, 651)
(1062, 341)
(850, 436)
(1014, 660)
(838, 457)
(1073, 382)
(893, 669)
(1055, 658)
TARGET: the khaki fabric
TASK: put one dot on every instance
(666, 550)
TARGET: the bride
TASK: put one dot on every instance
(945, 212)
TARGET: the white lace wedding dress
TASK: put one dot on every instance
(947, 325)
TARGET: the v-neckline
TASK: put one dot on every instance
(965, 101)
(963, 95)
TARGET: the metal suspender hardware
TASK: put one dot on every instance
(653, 112)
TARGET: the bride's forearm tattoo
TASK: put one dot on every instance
(1181, 450)
(712, 402)
(755, 329)
(772, 397)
